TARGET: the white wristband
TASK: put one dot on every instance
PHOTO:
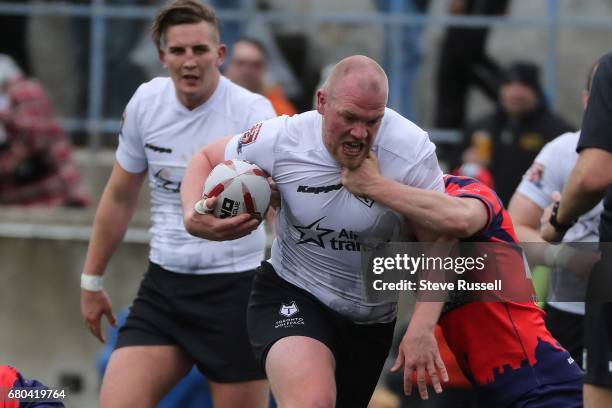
(93, 283)
(201, 208)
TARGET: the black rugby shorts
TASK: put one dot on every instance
(205, 315)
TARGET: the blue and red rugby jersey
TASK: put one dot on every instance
(504, 347)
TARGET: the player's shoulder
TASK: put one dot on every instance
(566, 142)
(152, 92)
(606, 60)
(297, 132)
(561, 150)
(401, 137)
(462, 185)
(154, 87)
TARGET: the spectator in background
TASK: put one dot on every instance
(464, 62)
(35, 163)
(514, 134)
(247, 68)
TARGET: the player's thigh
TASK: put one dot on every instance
(253, 394)
(301, 371)
(597, 397)
(139, 376)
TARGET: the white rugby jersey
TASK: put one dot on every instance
(556, 161)
(160, 134)
(321, 226)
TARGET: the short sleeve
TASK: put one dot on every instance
(546, 176)
(257, 145)
(467, 187)
(130, 152)
(261, 110)
(426, 172)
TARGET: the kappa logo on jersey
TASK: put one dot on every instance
(157, 148)
(288, 310)
(250, 136)
(320, 189)
(345, 240)
(365, 200)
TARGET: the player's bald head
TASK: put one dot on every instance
(357, 73)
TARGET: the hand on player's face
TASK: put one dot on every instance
(358, 180)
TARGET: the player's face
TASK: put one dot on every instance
(247, 66)
(351, 119)
(192, 55)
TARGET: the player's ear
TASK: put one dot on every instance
(162, 58)
(321, 101)
(221, 53)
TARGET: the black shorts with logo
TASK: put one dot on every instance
(278, 309)
(205, 315)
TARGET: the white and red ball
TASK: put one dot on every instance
(242, 187)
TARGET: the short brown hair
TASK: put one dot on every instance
(182, 12)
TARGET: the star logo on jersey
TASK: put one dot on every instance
(365, 200)
(313, 233)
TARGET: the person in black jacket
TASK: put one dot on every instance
(509, 139)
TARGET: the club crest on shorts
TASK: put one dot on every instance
(288, 310)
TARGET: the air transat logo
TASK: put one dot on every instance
(345, 240)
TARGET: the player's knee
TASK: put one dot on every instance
(319, 398)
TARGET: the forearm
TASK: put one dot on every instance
(587, 184)
(425, 316)
(110, 225)
(192, 186)
(432, 210)
(192, 189)
(576, 200)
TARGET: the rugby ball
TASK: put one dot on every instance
(242, 187)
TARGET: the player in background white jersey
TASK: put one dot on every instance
(191, 305)
(320, 341)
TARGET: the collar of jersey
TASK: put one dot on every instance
(215, 95)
